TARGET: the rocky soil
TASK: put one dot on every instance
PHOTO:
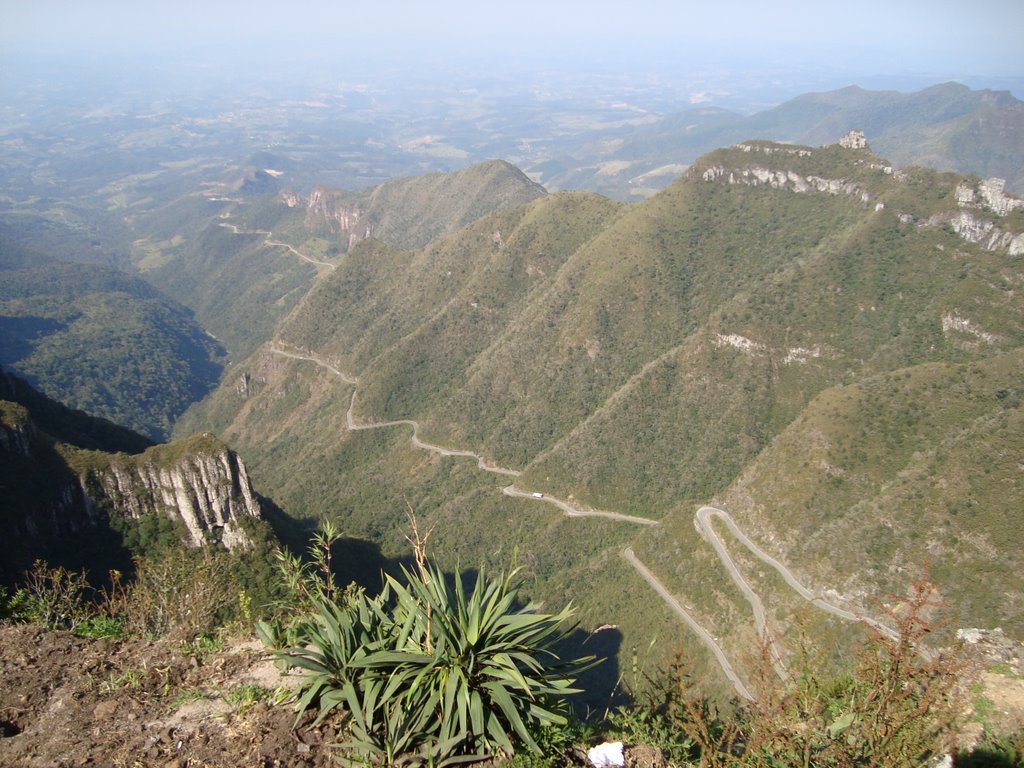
(72, 701)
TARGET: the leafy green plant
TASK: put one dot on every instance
(101, 627)
(204, 644)
(428, 673)
(53, 597)
(311, 581)
(242, 697)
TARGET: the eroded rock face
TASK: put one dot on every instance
(854, 140)
(980, 231)
(290, 197)
(54, 492)
(753, 176)
(336, 206)
(993, 193)
(209, 491)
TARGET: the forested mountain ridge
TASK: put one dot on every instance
(411, 212)
(648, 359)
(251, 264)
(102, 340)
(946, 127)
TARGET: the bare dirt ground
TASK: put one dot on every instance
(72, 701)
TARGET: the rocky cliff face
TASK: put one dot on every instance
(208, 489)
(979, 205)
(750, 174)
(337, 208)
(55, 491)
(980, 231)
(16, 432)
(971, 224)
(795, 182)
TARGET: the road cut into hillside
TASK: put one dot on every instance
(268, 240)
(692, 623)
(702, 521)
(574, 511)
(355, 426)
(343, 376)
(439, 449)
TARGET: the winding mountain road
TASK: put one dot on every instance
(355, 426)
(574, 511)
(703, 524)
(268, 241)
(702, 521)
(703, 634)
(343, 376)
(440, 449)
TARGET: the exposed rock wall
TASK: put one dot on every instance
(975, 229)
(976, 202)
(854, 140)
(209, 492)
(336, 207)
(777, 179)
(56, 492)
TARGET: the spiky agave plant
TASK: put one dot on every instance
(429, 673)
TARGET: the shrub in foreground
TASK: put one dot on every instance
(896, 707)
(430, 673)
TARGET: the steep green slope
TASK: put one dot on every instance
(411, 212)
(237, 285)
(432, 312)
(870, 298)
(252, 264)
(874, 484)
(918, 465)
(641, 360)
(102, 341)
(289, 424)
(628, 297)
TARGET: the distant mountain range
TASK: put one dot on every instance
(947, 127)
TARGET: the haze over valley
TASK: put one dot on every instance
(708, 321)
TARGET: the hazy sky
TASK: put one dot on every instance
(961, 36)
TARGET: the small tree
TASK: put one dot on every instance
(896, 707)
